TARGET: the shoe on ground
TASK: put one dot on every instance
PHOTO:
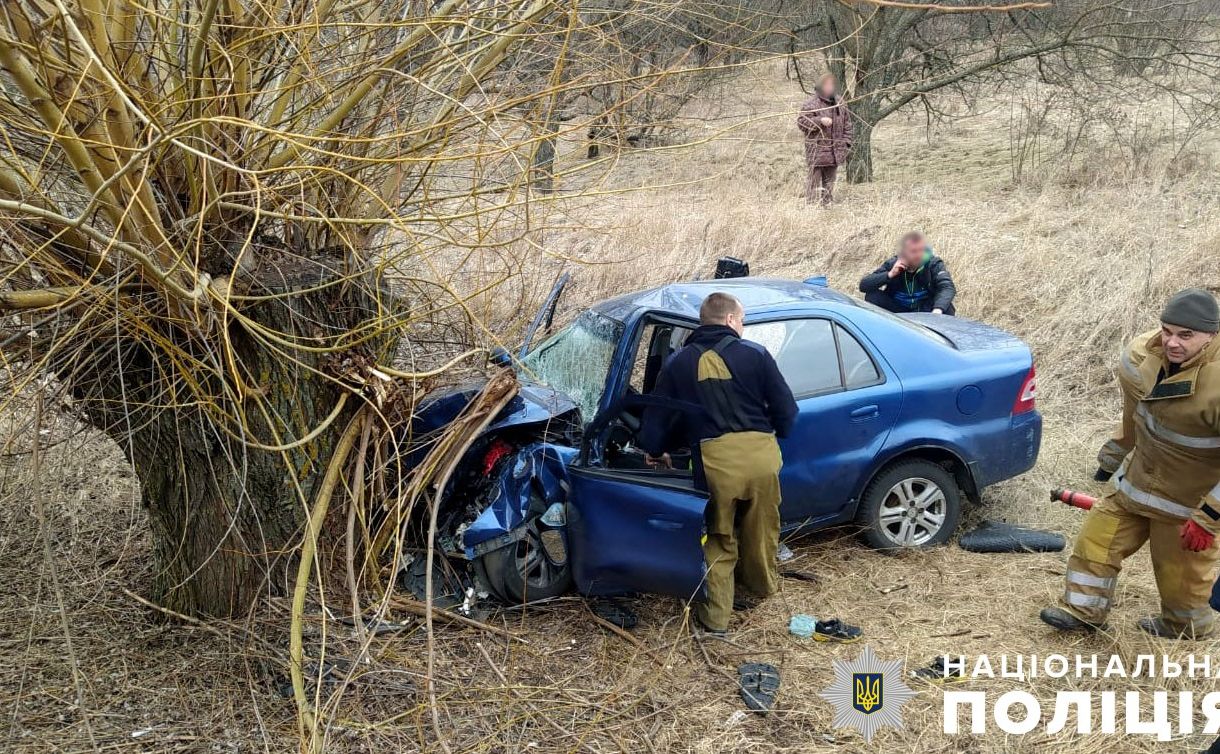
(700, 631)
(836, 630)
(1057, 617)
(745, 604)
(1159, 628)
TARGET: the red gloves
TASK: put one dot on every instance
(1195, 538)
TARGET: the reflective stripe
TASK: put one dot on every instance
(1086, 600)
(1088, 579)
(1196, 614)
(1129, 367)
(1112, 451)
(1149, 499)
(1165, 433)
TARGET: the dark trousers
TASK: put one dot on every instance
(882, 299)
(820, 186)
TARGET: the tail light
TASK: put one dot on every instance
(1028, 394)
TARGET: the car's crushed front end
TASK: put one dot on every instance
(506, 499)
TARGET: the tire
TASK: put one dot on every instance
(535, 567)
(890, 512)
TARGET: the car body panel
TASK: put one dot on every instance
(533, 403)
(635, 533)
(540, 468)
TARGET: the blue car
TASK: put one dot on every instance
(901, 420)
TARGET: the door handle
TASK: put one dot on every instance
(865, 412)
(664, 522)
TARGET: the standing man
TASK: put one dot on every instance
(745, 404)
(1164, 461)
(826, 124)
(916, 280)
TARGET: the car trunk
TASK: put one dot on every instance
(966, 334)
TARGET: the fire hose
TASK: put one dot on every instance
(1074, 499)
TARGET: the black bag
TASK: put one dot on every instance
(732, 267)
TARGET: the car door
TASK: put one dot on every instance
(633, 530)
(847, 404)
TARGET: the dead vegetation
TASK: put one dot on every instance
(1072, 260)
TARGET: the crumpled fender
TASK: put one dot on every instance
(538, 466)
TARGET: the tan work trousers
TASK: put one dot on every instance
(1115, 529)
(742, 470)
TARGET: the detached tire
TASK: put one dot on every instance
(535, 567)
(911, 505)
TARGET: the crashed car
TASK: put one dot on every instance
(901, 420)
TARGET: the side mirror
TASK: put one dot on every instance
(500, 357)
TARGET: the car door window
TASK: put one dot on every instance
(804, 350)
(858, 367)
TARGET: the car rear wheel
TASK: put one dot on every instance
(910, 505)
(535, 567)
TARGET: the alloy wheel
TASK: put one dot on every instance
(913, 512)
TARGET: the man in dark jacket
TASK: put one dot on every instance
(744, 405)
(825, 123)
(916, 280)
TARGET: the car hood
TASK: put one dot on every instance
(532, 404)
(966, 334)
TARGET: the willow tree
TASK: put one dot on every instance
(210, 212)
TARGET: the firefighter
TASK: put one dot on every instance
(744, 405)
(1164, 463)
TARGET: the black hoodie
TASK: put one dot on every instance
(763, 396)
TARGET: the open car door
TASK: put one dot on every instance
(633, 530)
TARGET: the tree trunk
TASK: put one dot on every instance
(860, 161)
(865, 117)
(543, 163)
(226, 516)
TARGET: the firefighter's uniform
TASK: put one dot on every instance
(1165, 461)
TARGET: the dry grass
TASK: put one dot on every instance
(1073, 266)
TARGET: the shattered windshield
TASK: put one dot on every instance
(576, 360)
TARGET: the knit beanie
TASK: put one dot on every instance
(1194, 308)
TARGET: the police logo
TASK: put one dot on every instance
(868, 688)
(867, 694)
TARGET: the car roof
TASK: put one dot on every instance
(757, 295)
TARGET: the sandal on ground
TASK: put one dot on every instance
(806, 576)
(759, 685)
(934, 672)
(836, 630)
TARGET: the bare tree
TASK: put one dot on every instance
(892, 54)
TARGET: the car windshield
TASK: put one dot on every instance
(576, 360)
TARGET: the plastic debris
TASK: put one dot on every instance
(784, 554)
(802, 625)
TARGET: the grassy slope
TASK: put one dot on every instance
(1074, 264)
